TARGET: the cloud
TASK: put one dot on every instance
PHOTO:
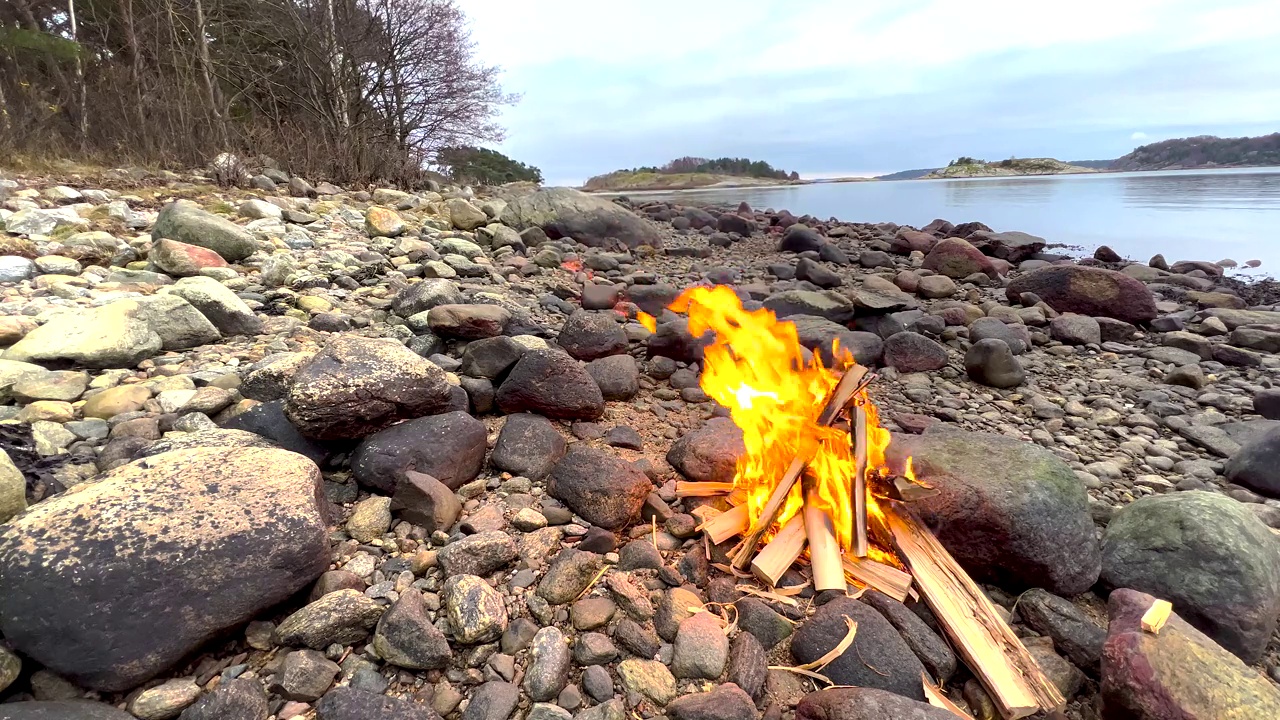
(831, 87)
(1139, 135)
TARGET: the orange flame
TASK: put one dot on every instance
(756, 368)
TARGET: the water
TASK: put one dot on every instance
(1185, 214)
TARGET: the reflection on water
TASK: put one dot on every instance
(1201, 215)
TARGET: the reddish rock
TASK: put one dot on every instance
(183, 260)
(957, 259)
(1177, 673)
(1088, 291)
(908, 241)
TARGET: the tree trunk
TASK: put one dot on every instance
(206, 71)
(82, 121)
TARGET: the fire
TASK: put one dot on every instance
(757, 369)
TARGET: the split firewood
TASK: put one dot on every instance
(859, 490)
(824, 552)
(878, 576)
(840, 396)
(986, 642)
(771, 562)
(727, 524)
(702, 489)
(1156, 616)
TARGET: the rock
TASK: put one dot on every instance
(599, 486)
(493, 700)
(881, 296)
(425, 501)
(423, 296)
(528, 445)
(479, 554)
(304, 676)
(710, 453)
(115, 335)
(876, 645)
(588, 219)
(216, 302)
(1017, 337)
(864, 703)
(800, 238)
(1075, 329)
(62, 710)
(649, 678)
(589, 335)
(1178, 672)
(142, 602)
(405, 636)
(748, 664)
(13, 492)
(936, 286)
(1254, 465)
(1255, 339)
(549, 663)
(268, 420)
(757, 618)
(1012, 246)
(238, 699)
(164, 701)
(186, 222)
(342, 616)
(553, 384)
(701, 648)
(817, 274)
(827, 304)
(618, 376)
(569, 574)
(182, 260)
(449, 447)
(910, 352)
(1087, 291)
(490, 357)
(932, 650)
(1209, 556)
(475, 610)
(356, 386)
(957, 259)
(370, 519)
(380, 221)
(1073, 633)
(348, 703)
(991, 362)
(733, 223)
(468, 322)
(906, 242)
(724, 702)
(1010, 512)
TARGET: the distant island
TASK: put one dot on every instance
(967, 167)
(1203, 151)
(687, 173)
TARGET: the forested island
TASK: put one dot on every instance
(964, 167)
(693, 172)
(1203, 151)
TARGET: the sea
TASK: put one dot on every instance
(1182, 214)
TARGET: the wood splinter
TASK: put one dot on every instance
(1156, 616)
(859, 492)
(840, 396)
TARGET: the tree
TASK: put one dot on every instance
(483, 166)
(350, 90)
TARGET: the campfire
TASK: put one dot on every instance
(814, 489)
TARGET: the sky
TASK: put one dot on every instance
(865, 87)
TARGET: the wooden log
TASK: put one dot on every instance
(840, 395)
(771, 562)
(860, 483)
(878, 576)
(988, 645)
(824, 552)
(733, 521)
(702, 489)
(1156, 616)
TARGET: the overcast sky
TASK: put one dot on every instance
(860, 87)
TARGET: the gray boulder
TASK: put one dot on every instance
(600, 486)
(1256, 465)
(567, 213)
(186, 222)
(551, 383)
(528, 445)
(449, 447)
(228, 313)
(877, 658)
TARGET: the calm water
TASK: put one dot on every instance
(1186, 215)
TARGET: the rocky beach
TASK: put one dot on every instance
(286, 450)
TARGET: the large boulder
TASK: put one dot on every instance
(528, 445)
(877, 658)
(1013, 246)
(449, 447)
(551, 383)
(591, 335)
(228, 313)
(800, 238)
(600, 486)
(1256, 465)
(864, 703)
(567, 213)
(827, 304)
(1208, 555)
(1087, 291)
(61, 710)
(1010, 512)
(186, 222)
(182, 260)
(1176, 673)
(157, 558)
(957, 259)
(421, 297)
(710, 453)
(356, 386)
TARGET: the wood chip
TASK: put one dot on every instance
(1156, 616)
